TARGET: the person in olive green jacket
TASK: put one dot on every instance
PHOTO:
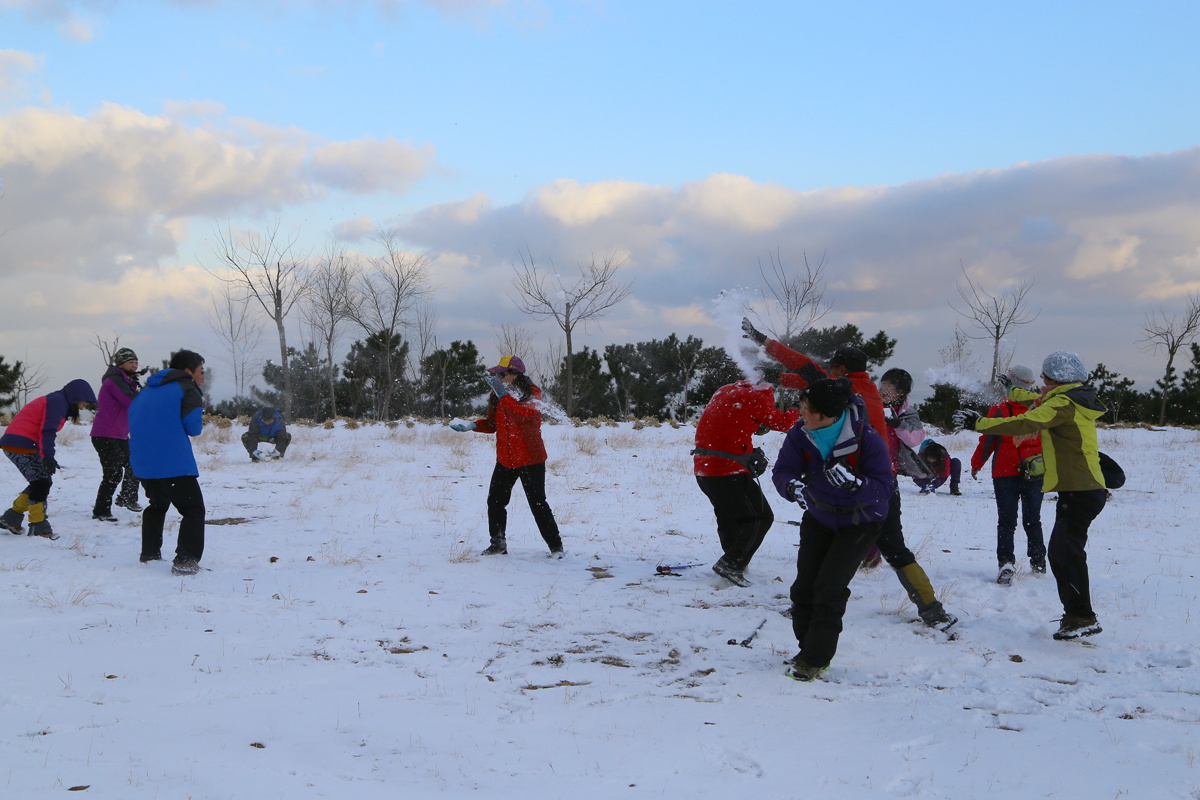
(1066, 420)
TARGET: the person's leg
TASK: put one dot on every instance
(1008, 495)
(533, 481)
(499, 493)
(831, 591)
(158, 500)
(815, 540)
(1031, 521)
(281, 441)
(910, 574)
(110, 473)
(250, 443)
(188, 499)
(31, 468)
(743, 516)
(955, 476)
(1067, 551)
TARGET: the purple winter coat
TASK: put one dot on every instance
(117, 390)
(835, 508)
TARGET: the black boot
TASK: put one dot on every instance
(498, 547)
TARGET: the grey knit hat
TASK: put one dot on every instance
(1021, 377)
(1063, 366)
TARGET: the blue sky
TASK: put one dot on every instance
(1050, 142)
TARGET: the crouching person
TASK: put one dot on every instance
(836, 467)
(266, 426)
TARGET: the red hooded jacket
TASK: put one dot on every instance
(733, 415)
(808, 371)
(1006, 452)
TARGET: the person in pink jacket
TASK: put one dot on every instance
(110, 435)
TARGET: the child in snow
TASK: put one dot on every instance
(1017, 469)
(513, 416)
(727, 473)
(110, 435)
(28, 441)
(943, 466)
(1066, 420)
(836, 467)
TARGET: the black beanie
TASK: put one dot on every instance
(829, 397)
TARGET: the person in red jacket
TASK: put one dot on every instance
(1016, 485)
(727, 465)
(513, 416)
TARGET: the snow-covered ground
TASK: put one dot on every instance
(348, 642)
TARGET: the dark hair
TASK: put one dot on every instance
(829, 396)
(850, 357)
(520, 387)
(900, 379)
(185, 359)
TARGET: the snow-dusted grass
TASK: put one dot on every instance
(348, 641)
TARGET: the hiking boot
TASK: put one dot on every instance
(1073, 627)
(1006, 574)
(1037, 566)
(557, 553)
(42, 529)
(104, 516)
(734, 576)
(495, 550)
(956, 492)
(938, 617)
(800, 670)
(154, 557)
(185, 566)
(132, 505)
(11, 521)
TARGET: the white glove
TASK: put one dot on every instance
(795, 492)
(462, 427)
(965, 418)
(840, 477)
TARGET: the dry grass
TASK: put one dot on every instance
(336, 554)
(71, 596)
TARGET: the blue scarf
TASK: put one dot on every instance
(826, 438)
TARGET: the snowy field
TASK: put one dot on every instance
(346, 641)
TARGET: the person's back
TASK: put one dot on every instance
(162, 418)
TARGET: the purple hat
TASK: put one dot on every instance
(507, 363)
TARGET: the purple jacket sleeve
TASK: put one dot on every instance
(56, 412)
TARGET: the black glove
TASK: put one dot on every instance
(965, 418)
(795, 492)
(50, 464)
(1004, 381)
(751, 332)
(841, 477)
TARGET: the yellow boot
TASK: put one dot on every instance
(11, 519)
(38, 524)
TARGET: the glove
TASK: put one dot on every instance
(498, 386)
(462, 427)
(891, 416)
(50, 464)
(752, 333)
(840, 477)
(964, 418)
(1004, 381)
(795, 492)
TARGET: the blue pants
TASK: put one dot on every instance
(1013, 491)
(935, 483)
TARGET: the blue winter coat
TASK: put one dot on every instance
(161, 418)
(858, 446)
(270, 427)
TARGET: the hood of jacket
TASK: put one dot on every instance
(77, 391)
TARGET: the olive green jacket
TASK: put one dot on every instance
(1066, 419)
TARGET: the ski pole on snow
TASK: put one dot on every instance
(662, 569)
(746, 642)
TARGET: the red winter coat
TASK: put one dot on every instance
(808, 371)
(1006, 452)
(518, 429)
(735, 414)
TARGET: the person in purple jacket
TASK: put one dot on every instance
(110, 435)
(28, 441)
(836, 467)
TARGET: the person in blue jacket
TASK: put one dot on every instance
(161, 419)
(835, 466)
(28, 442)
(266, 426)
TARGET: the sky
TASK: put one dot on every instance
(346, 639)
(898, 144)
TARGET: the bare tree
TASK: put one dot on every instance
(265, 270)
(1170, 334)
(514, 340)
(797, 297)
(107, 348)
(28, 381)
(239, 333)
(387, 295)
(995, 315)
(545, 295)
(328, 303)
